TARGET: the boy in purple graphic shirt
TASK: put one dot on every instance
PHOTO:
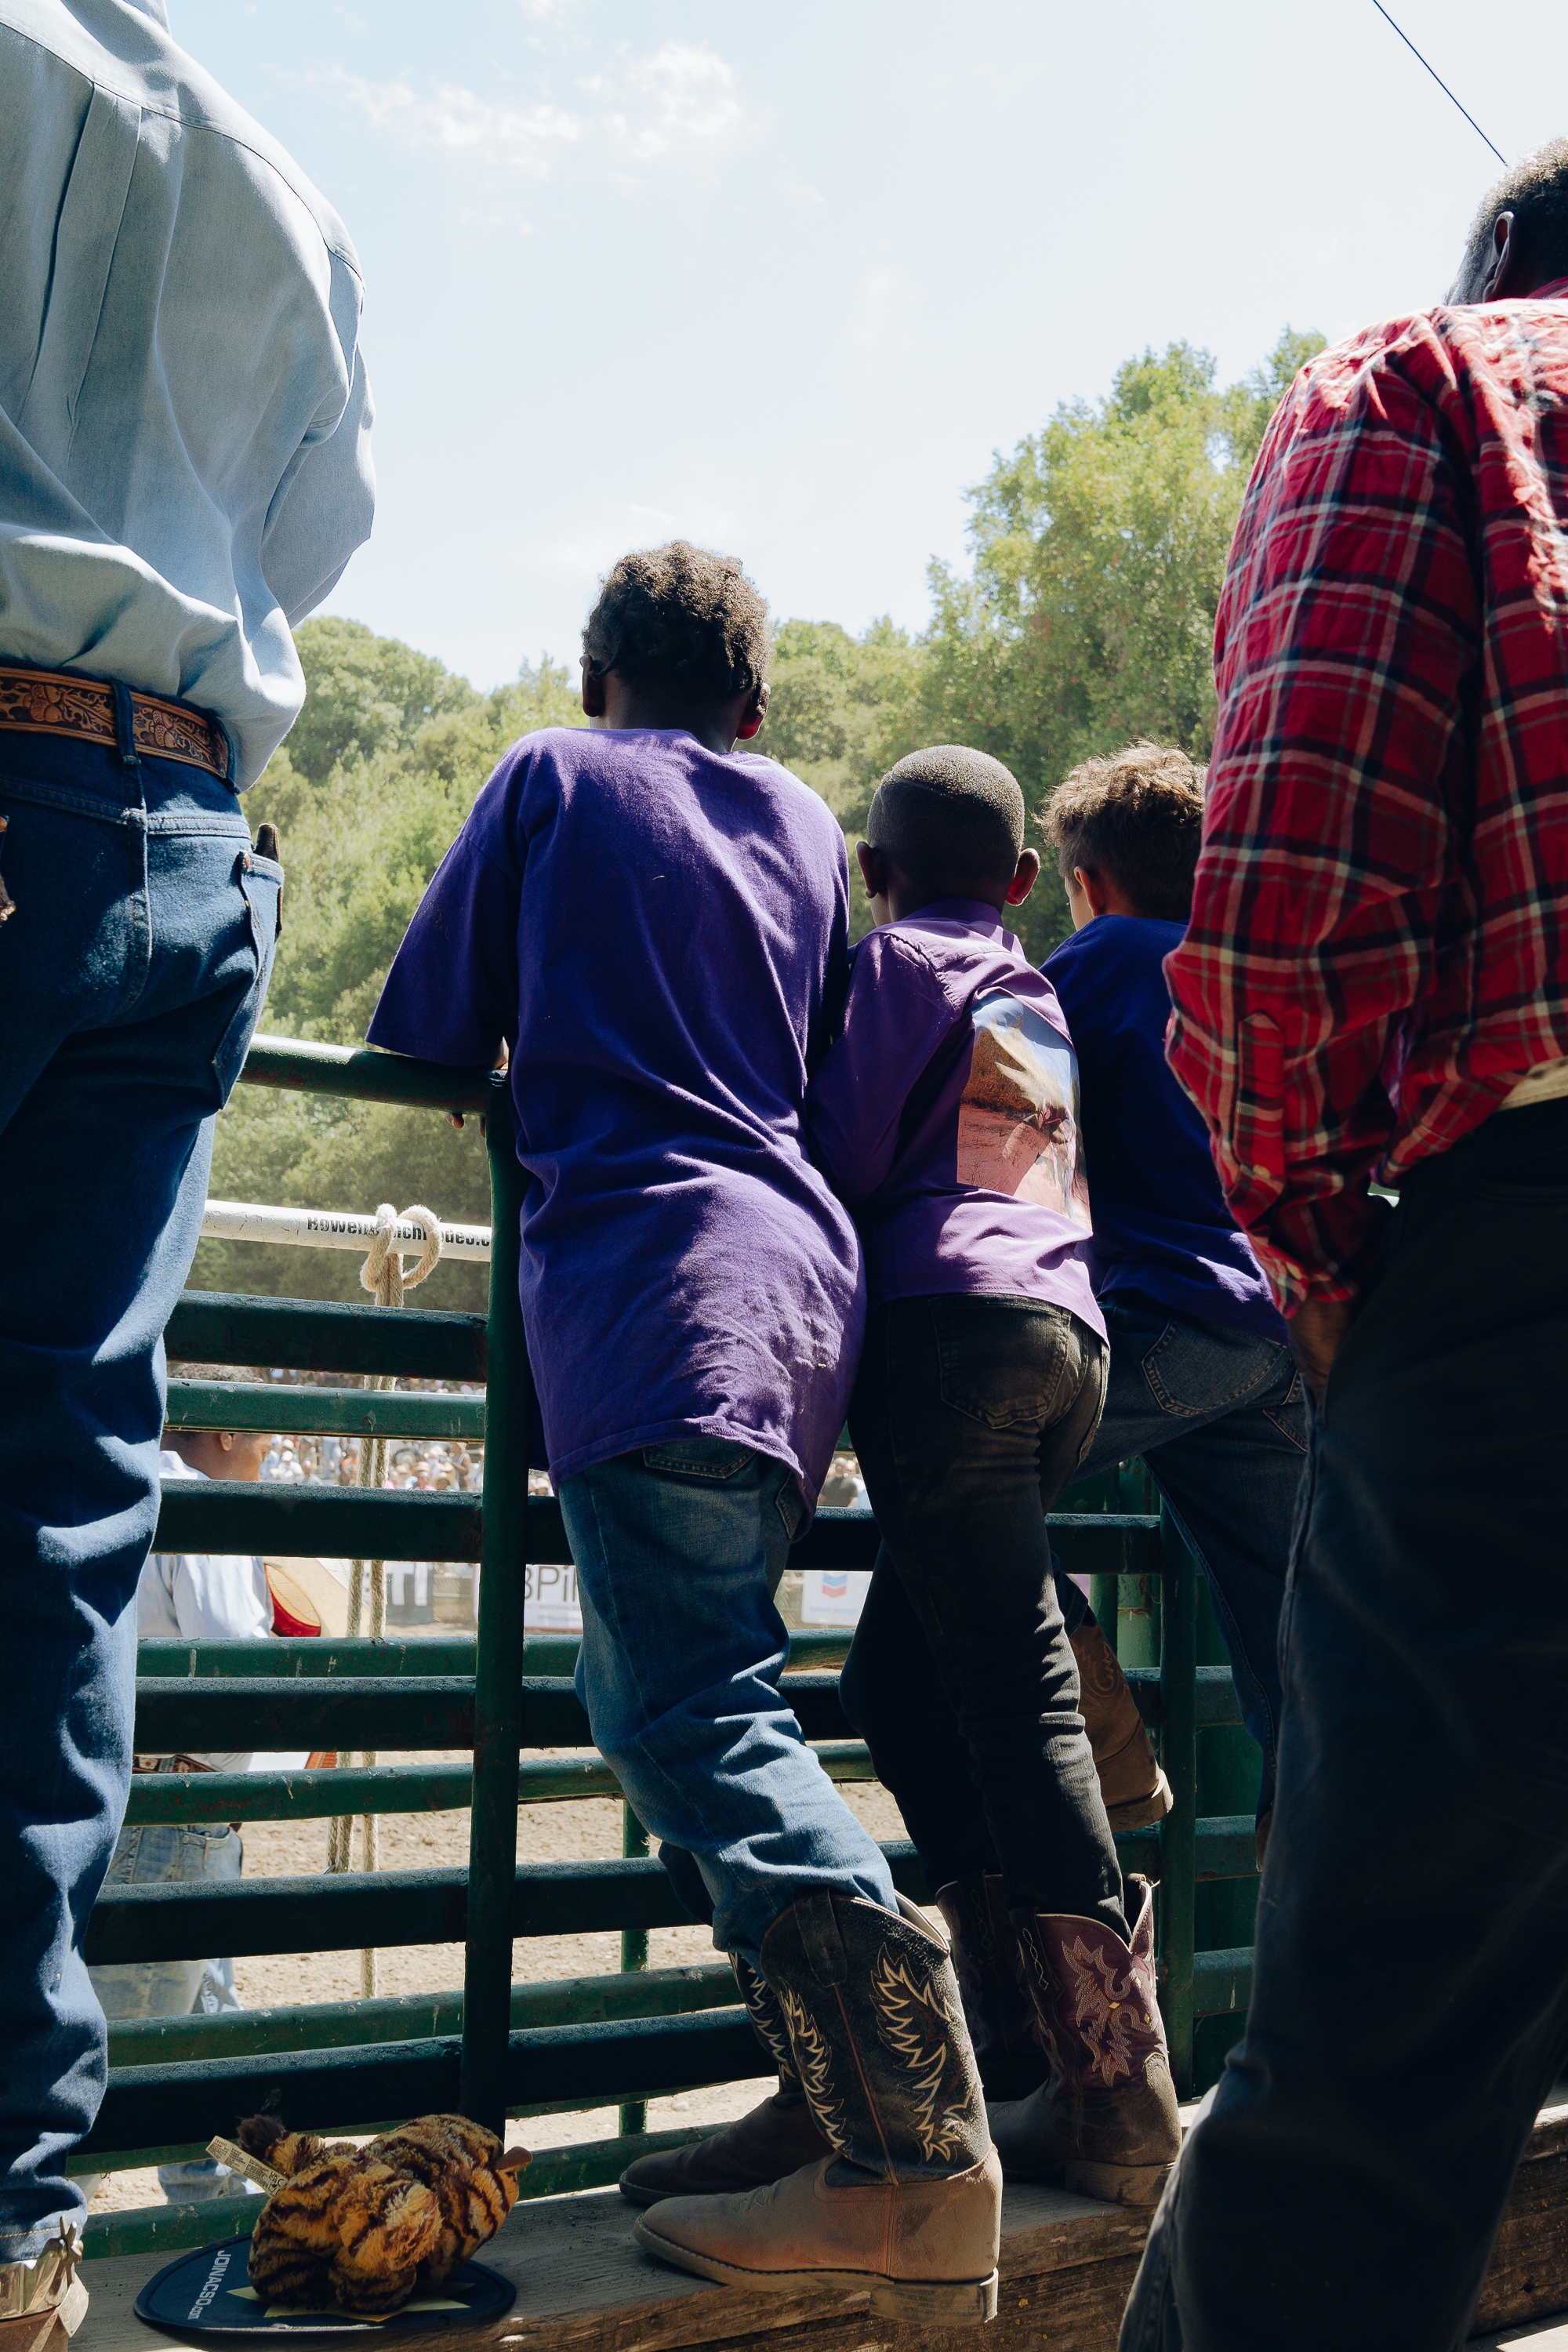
(656, 920)
(947, 1116)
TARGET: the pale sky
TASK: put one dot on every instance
(781, 279)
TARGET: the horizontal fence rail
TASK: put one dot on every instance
(497, 2048)
(342, 1229)
(333, 1413)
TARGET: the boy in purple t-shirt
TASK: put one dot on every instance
(656, 922)
(946, 1114)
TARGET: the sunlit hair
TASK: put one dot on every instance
(679, 619)
(1136, 820)
(951, 819)
(1535, 191)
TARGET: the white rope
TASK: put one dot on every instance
(382, 1274)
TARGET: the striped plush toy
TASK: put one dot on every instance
(363, 2228)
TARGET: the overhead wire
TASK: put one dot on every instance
(1442, 85)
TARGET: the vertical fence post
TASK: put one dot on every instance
(633, 1951)
(498, 1687)
(1178, 1831)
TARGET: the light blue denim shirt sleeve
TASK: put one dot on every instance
(185, 419)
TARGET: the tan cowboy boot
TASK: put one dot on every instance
(771, 2142)
(43, 2298)
(908, 2206)
(998, 2007)
(1135, 1789)
(1105, 2122)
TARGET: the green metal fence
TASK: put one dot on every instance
(494, 2048)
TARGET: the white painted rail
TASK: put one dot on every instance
(248, 1220)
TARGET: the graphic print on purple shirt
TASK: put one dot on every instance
(946, 1116)
(1017, 1116)
(660, 934)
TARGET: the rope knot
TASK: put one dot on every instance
(381, 1274)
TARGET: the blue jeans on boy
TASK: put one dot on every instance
(153, 1855)
(679, 1549)
(1219, 1416)
(132, 973)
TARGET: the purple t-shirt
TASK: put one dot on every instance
(660, 932)
(947, 1116)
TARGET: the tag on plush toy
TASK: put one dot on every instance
(251, 2167)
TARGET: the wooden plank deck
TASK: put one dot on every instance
(1066, 2265)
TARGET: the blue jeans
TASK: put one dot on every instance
(1409, 2007)
(679, 1549)
(132, 973)
(969, 1416)
(1219, 1416)
(153, 1857)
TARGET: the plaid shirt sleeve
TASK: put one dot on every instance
(1348, 647)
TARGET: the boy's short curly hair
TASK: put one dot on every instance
(679, 617)
(1136, 819)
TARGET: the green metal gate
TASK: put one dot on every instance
(496, 2049)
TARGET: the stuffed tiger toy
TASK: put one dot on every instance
(365, 2227)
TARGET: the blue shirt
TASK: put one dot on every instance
(184, 452)
(660, 932)
(1162, 1228)
(947, 1116)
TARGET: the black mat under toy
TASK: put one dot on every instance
(207, 2293)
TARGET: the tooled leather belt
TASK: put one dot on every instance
(48, 702)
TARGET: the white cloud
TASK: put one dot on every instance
(679, 98)
(679, 102)
(525, 137)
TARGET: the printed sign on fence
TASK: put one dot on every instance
(550, 1600)
(833, 1596)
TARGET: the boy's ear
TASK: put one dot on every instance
(873, 870)
(751, 718)
(1025, 873)
(592, 692)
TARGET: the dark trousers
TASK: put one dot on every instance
(969, 1417)
(1410, 1999)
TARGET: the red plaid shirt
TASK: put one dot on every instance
(1379, 941)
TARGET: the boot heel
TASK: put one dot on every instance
(966, 2303)
(1116, 2184)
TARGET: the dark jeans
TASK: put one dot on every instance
(1410, 1997)
(1220, 1418)
(130, 976)
(970, 1415)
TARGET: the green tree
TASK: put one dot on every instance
(1100, 548)
(841, 713)
(362, 826)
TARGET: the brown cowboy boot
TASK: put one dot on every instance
(771, 2142)
(997, 2007)
(1135, 1789)
(908, 2205)
(43, 2302)
(1105, 2123)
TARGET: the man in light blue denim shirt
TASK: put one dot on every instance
(185, 471)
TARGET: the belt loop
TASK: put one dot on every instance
(228, 746)
(125, 728)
